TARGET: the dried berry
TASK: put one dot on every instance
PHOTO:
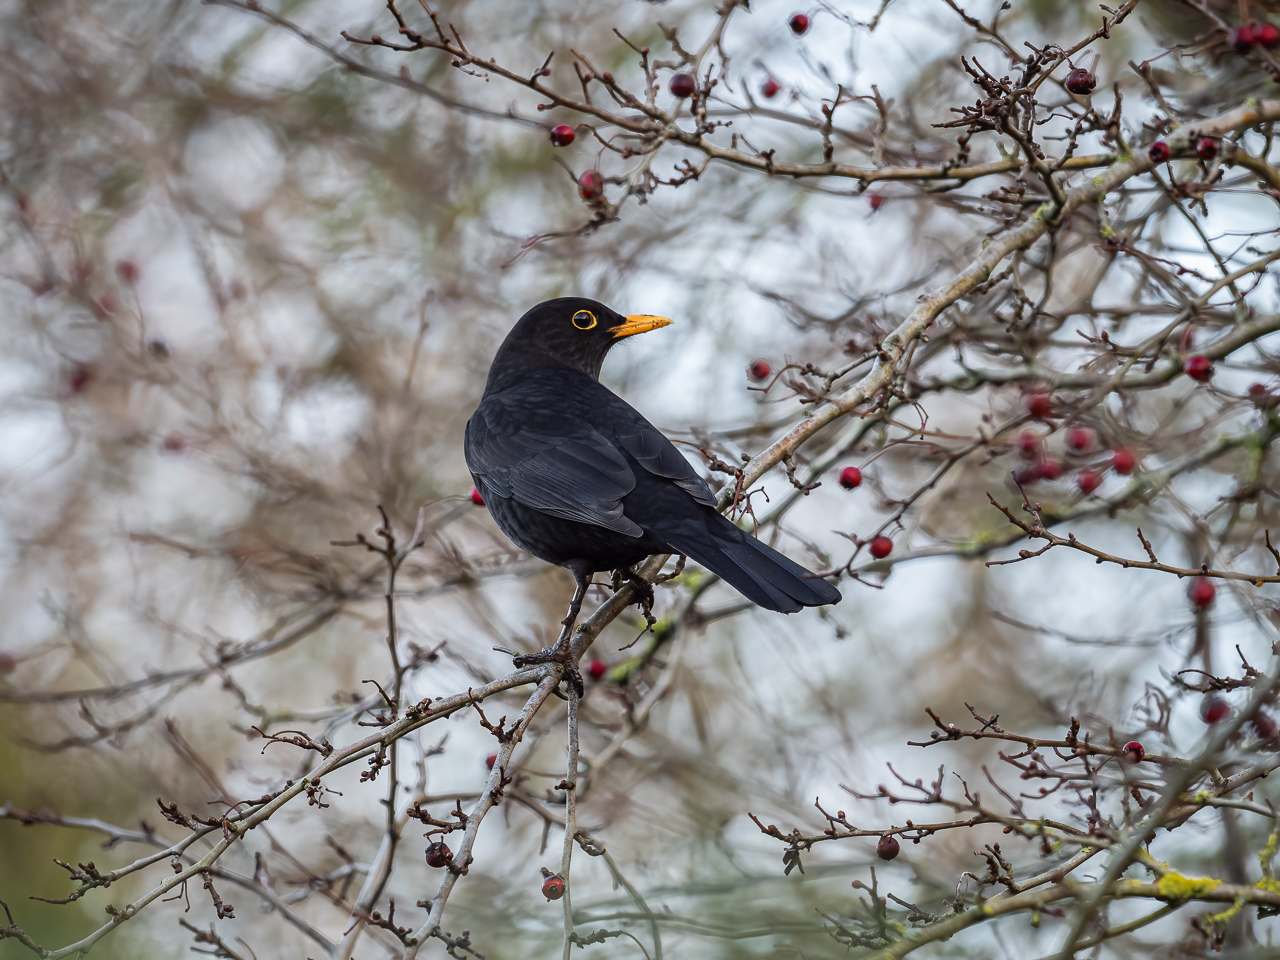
(553, 887)
(881, 547)
(1088, 480)
(79, 378)
(683, 85)
(1133, 751)
(597, 669)
(1214, 709)
(1159, 152)
(798, 23)
(591, 185)
(1264, 725)
(1025, 476)
(1198, 368)
(1081, 82)
(770, 89)
(439, 854)
(1202, 591)
(759, 370)
(1206, 148)
(562, 135)
(888, 847)
(1081, 438)
(850, 477)
(1123, 461)
(476, 498)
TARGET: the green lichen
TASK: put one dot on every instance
(1269, 884)
(1045, 210)
(1226, 916)
(1125, 156)
(1267, 854)
(1174, 886)
(1106, 233)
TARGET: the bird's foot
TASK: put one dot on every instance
(644, 595)
(561, 653)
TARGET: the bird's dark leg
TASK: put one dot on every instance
(560, 652)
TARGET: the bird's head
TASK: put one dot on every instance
(569, 331)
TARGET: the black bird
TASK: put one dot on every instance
(577, 477)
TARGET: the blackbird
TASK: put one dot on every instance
(576, 476)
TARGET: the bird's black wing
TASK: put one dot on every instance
(658, 455)
(542, 451)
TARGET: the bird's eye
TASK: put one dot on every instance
(584, 319)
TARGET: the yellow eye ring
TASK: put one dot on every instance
(584, 319)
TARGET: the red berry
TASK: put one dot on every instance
(1206, 148)
(1123, 461)
(1243, 37)
(79, 378)
(8, 662)
(1198, 368)
(1088, 481)
(591, 185)
(1202, 591)
(850, 477)
(1028, 444)
(562, 135)
(799, 23)
(490, 760)
(1267, 35)
(881, 547)
(876, 200)
(553, 887)
(1159, 152)
(1214, 710)
(127, 271)
(476, 498)
(439, 854)
(597, 669)
(1133, 751)
(683, 85)
(1051, 469)
(1080, 438)
(175, 443)
(1263, 725)
(1080, 81)
(1040, 405)
(888, 847)
(759, 370)
(770, 89)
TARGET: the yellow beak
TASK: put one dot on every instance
(638, 323)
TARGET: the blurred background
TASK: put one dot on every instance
(249, 295)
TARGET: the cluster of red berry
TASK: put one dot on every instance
(1254, 34)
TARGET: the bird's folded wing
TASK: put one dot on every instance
(659, 456)
(581, 476)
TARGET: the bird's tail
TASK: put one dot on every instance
(754, 569)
